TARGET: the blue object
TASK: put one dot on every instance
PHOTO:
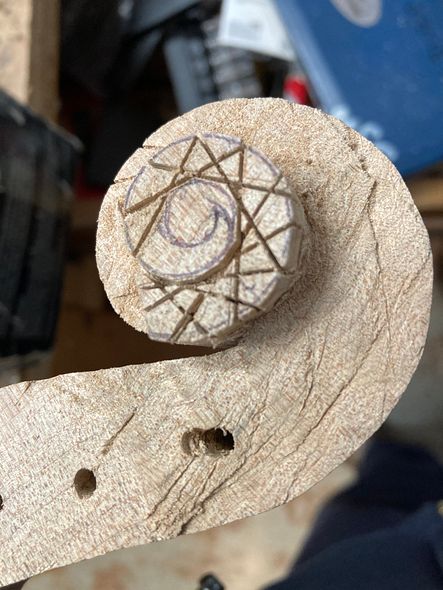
(378, 66)
(385, 532)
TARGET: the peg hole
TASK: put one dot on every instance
(214, 442)
(85, 483)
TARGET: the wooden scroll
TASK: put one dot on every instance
(92, 462)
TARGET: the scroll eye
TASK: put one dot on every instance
(217, 231)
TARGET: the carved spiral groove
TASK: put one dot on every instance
(216, 229)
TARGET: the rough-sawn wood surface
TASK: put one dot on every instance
(307, 384)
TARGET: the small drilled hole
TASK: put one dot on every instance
(215, 441)
(85, 483)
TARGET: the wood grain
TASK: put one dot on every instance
(184, 445)
(217, 232)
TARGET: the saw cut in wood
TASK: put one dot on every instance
(321, 278)
(217, 232)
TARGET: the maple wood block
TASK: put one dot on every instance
(29, 53)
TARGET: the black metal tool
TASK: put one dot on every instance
(210, 582)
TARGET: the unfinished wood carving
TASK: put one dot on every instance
(92, 462)
(217, 233)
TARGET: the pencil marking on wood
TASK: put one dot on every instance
(108, 445)
(208, 211)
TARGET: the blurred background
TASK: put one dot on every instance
(82, 84)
